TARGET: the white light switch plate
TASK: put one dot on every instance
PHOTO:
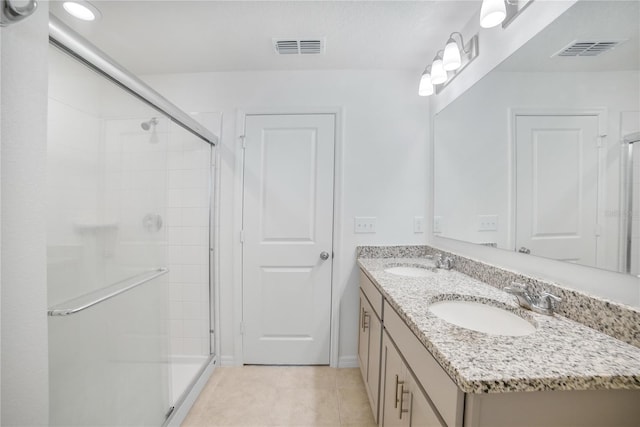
(418, 224)
(364, 224)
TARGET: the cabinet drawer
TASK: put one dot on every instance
(372, 293)
(442, 391)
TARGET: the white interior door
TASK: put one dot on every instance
(287, 226)
(557, 186)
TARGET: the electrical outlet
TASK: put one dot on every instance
(418, 224)
(437, 224)
(364, 224)
(487, 222)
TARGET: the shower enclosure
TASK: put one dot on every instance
(128, 248)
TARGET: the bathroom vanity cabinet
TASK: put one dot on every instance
(407, 386)
(396, 396)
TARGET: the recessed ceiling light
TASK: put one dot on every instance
(82, 10)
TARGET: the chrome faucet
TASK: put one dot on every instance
(444, 263)
(543, 303)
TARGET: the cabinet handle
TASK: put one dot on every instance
(365, 321)
(398, 382)
(364, 316)
(402, 393)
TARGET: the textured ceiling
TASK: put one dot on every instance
(152, 37)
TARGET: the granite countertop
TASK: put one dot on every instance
(560, 355)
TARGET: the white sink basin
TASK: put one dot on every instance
(482, 318)
(409, 271)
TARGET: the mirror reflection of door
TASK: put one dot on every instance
(557, 186)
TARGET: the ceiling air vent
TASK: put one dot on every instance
(588, 48)
(298, 47)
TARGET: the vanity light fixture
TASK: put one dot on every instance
(426, 86)
(438, 73)
(448, 64)
(82, 9)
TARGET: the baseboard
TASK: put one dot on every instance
(227, 361)
(180, 358)
(348, 362)
(343, 361)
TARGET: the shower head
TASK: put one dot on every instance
(149, 124)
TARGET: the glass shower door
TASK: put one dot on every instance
(107, 253)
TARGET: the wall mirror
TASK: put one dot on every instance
(538, 156)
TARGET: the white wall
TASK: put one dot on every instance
(384, 166)
(23, 128)
(496, 45)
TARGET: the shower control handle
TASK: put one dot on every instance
(152, 222)
(324, 255)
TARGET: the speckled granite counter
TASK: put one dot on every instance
(560, 355)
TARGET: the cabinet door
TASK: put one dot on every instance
(394, 391)
(363, 337)
(422, 414)
(373, 376)
(370, 336)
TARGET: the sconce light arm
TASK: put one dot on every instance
(461, 45)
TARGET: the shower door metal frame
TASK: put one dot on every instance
(628, 144)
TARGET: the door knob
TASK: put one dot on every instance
(324, 255)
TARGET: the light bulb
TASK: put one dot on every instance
(492, 13)
(82, 10)
(426, 87)
(438, 74)
(451, 60)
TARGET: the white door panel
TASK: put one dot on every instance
(557, 186)
(287, 223)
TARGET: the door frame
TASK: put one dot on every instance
(241, 115)
(602, 115)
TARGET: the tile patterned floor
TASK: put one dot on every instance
(279, 396)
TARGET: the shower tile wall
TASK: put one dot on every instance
(187, 225)
(134, 183)
(164, 170)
